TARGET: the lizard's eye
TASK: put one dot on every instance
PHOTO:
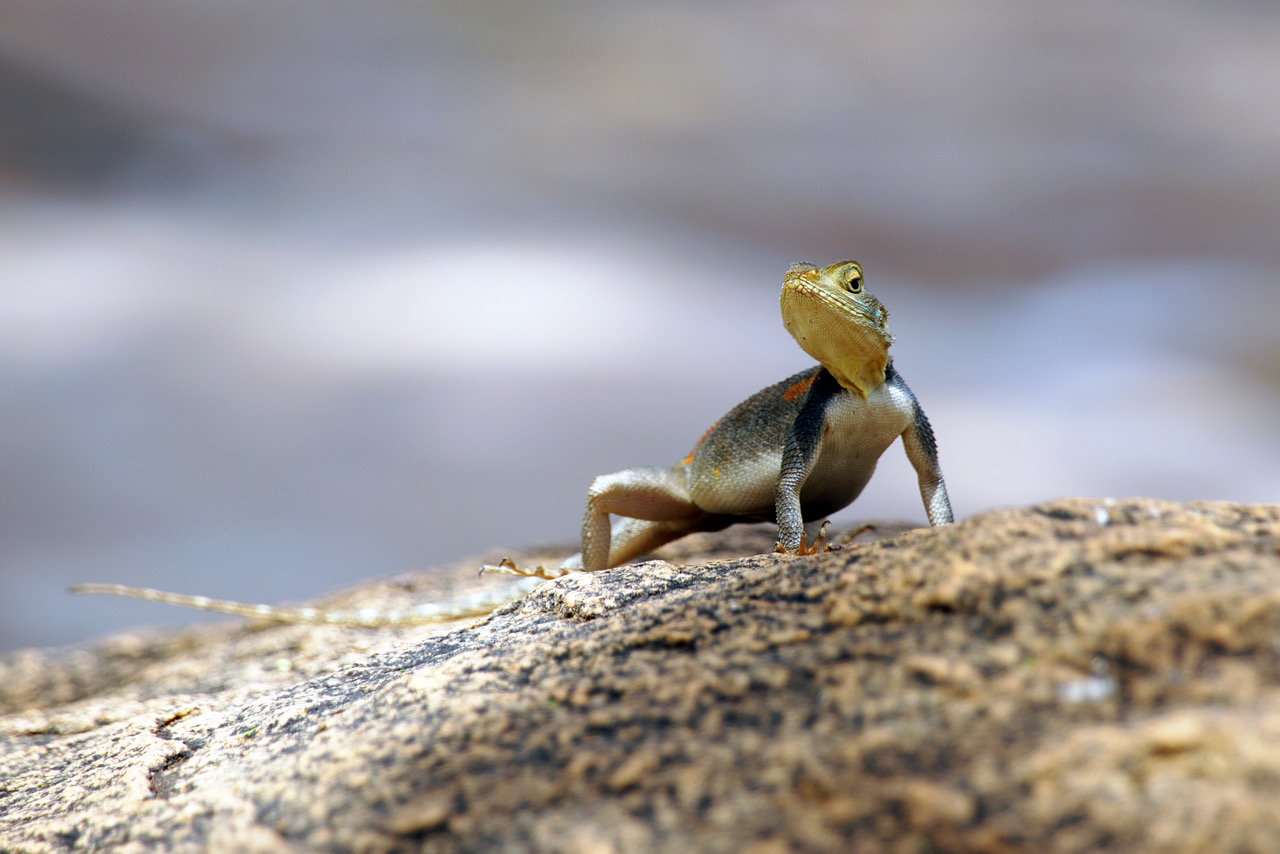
(854, 285)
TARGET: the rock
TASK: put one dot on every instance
(1076, 676)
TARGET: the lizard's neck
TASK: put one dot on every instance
(855, 354)
(863, 378)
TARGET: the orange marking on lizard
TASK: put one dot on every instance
(796, 389)
(689, 459)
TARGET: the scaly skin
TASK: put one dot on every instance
(792, 453)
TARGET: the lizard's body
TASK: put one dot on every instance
(792, 453)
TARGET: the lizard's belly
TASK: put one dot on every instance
(855, 433)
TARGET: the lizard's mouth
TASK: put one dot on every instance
(810, 295)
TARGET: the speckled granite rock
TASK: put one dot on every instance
(1076, 676)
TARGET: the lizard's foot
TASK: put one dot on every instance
(507, 567)
(850, 535)
(804, 549)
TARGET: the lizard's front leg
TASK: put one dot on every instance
(922, 451)
(799, 455)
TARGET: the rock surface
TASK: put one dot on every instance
(1075, 676)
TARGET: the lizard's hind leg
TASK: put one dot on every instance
(628, 538)
(652, 506)
(655, 507)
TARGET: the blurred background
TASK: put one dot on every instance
(298, 293)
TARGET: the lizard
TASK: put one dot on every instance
(793, 453)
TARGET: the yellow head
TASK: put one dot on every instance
(837, 322)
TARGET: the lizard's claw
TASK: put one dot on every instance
(507, 566)
(819, 544)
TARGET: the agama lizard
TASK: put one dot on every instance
(792, 453)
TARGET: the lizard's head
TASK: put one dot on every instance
(836, 321)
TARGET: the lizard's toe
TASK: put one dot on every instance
(819, 545)
(507, 566)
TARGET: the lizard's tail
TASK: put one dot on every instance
(473, 605)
